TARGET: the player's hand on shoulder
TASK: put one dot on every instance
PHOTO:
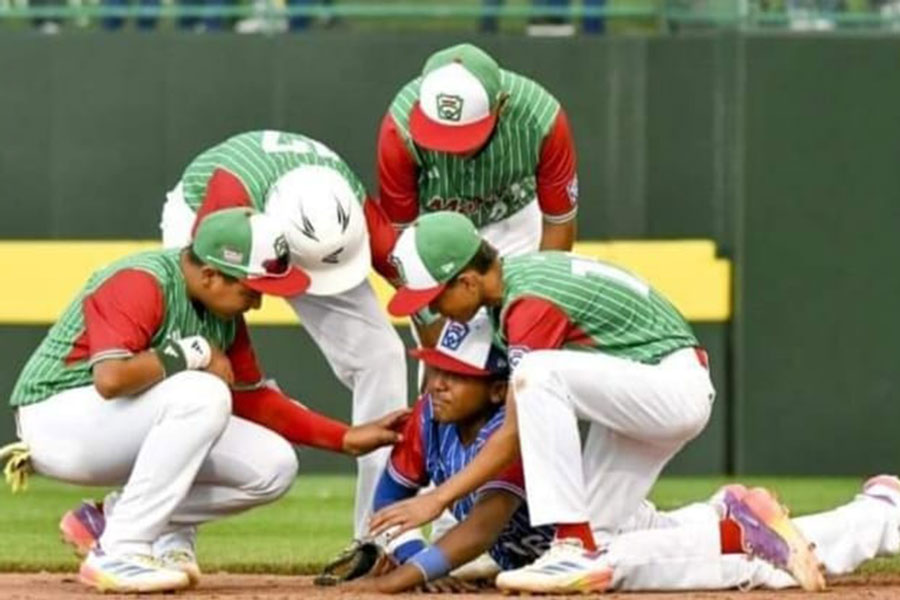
(364, 438)
(220, 366)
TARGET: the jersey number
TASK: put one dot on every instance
(583, 268)
(273, 144)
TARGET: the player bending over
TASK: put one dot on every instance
(586, 341)
(149, 380)
(335, 235)
(719, 544)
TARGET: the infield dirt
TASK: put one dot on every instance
(44, 586)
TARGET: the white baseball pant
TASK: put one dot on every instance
(640, 415)
(687, 555)
(181, 455)
(360, 344)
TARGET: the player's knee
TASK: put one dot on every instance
(689, 423)
(203, 398)
(277, 473)
(532, 372)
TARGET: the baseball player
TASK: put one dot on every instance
(131, 386)
(701, 546)
(470, 137)
(587, 341)
(330, 226)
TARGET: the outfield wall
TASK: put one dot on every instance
(781, 150)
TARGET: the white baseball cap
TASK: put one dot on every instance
(467, 349)
(325, 227)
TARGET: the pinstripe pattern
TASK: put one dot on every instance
(519, 543)
(621, 314)
(46, 372)
(258, 159)
(500, 180)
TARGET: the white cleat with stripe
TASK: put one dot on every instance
(566, 568)
(184, 561)
(129, 573)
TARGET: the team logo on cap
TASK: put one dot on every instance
(449, 107)
(235, 257)
(398, 264)
(454, 335)
(280, 246)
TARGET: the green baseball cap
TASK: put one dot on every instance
(458, 97)
(428, 254)
(251, 247)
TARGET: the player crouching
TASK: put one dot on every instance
(149, 380)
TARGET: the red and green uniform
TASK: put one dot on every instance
(132, 305)
(560, 300)
(241, 170)
(530, 155)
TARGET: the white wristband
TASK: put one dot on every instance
(197, 352)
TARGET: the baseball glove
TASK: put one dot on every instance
(353, 562)
(18, 465)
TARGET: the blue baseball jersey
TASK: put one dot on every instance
(431, 452)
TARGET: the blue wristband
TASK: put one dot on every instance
(432, 562)
(407, 550)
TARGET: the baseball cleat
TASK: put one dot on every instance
(768, 534)
(883, 487)
(129, 573)
(566, 568)
(184, 561)
(82, 527)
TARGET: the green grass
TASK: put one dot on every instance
(313, 521)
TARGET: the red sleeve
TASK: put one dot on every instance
(382, 237)
(407, 463)
(290, 419)
(122, 315)
(534, 324)
(511, 479)
(223, 190)
(397, 175)
(557, 182)
(243, 357)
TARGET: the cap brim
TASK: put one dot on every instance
(340, 278)
(444, 138)
(436, 358)
(293, 284)
(407, 301)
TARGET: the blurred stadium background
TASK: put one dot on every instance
(745, 152)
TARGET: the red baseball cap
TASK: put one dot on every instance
(467, 349)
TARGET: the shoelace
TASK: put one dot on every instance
(177, 556)
(558, 550)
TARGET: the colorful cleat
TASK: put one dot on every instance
(82, 527)
(184, 561)
(564, 569)
(768, 534)
(129, 573)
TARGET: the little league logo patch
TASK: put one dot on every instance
(398, 264)
(454, 335)
(449, 107)
(281, 246)
(235, 257)
(572, 191)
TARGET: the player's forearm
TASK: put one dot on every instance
(558, 236)
(115, 378)
(498, 453)
(296, 423)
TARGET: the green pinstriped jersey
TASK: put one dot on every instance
(259, 159)
(500, 180)
(618, 312)
(48, 371)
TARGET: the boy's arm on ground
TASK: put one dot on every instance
(464, 542)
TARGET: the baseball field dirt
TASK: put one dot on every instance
(44, 586)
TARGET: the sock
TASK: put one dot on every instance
(730, 537)
(580, 531)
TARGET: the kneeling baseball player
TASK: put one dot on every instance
(149, 380)
(707, 545)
